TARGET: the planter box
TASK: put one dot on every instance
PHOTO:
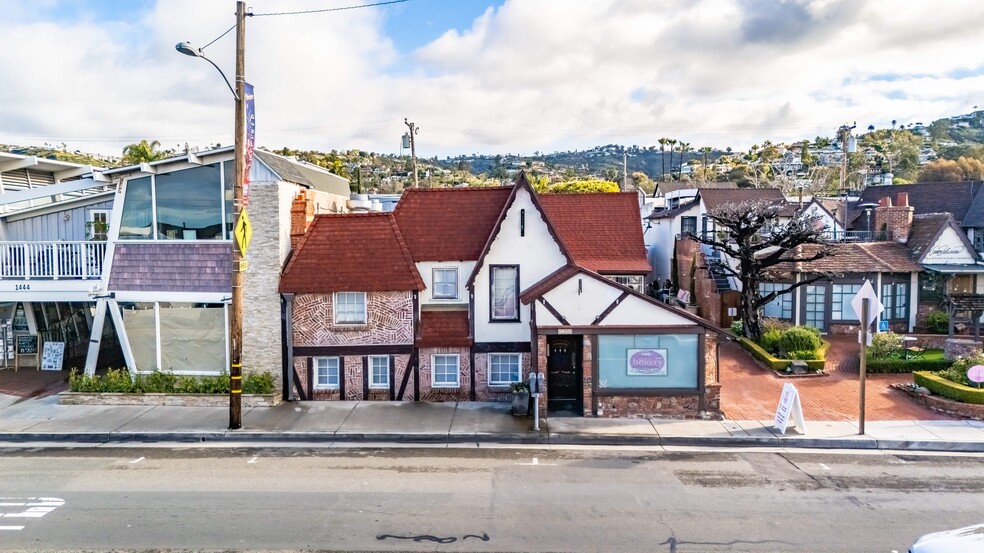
(182, 400)
(780, 365)
(944, 405)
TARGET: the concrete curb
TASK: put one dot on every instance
(545, 439)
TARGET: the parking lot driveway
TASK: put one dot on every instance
(750, 391)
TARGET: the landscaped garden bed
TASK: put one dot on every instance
(117, 387)
(889, 353)
(949, 390)
(781, 345)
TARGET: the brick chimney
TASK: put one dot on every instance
(301, 216)
(894, 220)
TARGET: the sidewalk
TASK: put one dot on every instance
(385, 423)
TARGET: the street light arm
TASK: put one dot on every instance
(231, 89)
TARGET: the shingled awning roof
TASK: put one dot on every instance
(851, 257)
(444, 329)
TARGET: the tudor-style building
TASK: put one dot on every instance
(460, 293)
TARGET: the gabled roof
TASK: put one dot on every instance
(850, 257)
(522, 183)
(926, 229)
(444, 329)
(714, 198)
(930, 197)
(312, 176)
(598, 230)
(333, 257)
(449, 224)
(975, 215)
(673, 212)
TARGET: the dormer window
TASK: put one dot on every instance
(445, 283)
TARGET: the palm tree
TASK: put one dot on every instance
(672, 142)
(662, 157)
(684, 148)
(142, 152)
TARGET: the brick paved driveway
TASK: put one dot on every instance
(749, 391)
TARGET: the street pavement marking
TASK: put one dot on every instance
(824, 467)
(251, 461)
(536, 463)
(27, 507)
(135, 461)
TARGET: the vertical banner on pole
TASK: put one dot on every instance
(250, 140)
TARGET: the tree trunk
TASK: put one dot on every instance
(751, 324)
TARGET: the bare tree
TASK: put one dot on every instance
(749, 233)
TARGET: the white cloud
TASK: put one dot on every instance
(528, 75)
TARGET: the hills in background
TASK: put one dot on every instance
(902, 151)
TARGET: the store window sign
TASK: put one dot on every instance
(646, 362)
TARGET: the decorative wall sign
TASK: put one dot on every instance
(646, 362)
(949, 250)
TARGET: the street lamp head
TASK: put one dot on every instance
(187, 49)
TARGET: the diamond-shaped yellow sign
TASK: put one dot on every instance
(243, 232)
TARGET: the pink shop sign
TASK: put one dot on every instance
(646, 362)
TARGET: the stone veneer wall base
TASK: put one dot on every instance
(179, 400)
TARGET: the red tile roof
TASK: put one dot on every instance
(359, 252)
(449, 224)
(602, 231)
(444, 329)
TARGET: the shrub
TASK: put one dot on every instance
(769, 323)
(261, 383)
(884, 344)
(158, 382)
(118, 381)
(958, 370)
(764, 356)
(770, 340)
(803, 354)
(937, 321)
(892, 365)
(799, 338)
(948, 389)
(737, 327)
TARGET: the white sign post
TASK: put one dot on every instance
(789, 405)
(867, 306)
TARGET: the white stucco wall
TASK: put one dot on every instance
(828, 222)
(663, 233)
(537, 255)
(426, 270)
(595, 297)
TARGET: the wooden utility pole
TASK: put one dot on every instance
(844, 135)
(236, 304)
(414, 129)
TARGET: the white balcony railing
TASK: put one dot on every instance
(51, 260)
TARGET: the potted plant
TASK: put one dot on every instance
(519, 392)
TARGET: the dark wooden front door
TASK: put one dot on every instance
(564, 382)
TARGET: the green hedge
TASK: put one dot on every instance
(780, 365)
(889, 365)
(162, 382)
(950, 390)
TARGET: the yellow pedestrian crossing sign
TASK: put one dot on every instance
(243, 232)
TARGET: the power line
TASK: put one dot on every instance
(330, 9)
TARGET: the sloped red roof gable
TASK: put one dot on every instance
(602, 231)
(352, 252)
(449, 224)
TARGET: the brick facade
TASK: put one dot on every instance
(675, 406)
(389, 321)
(428, 392)
(484, 392)
(894, 220)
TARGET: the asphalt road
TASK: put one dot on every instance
(504, 500)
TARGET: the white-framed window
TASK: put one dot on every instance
(326, 373)
(444, 371)
(503, 369)
(97, 224)
(379, 371)
(446, 283)
(505, 292)
(350, 308)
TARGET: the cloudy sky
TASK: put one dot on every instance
(513, 76)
